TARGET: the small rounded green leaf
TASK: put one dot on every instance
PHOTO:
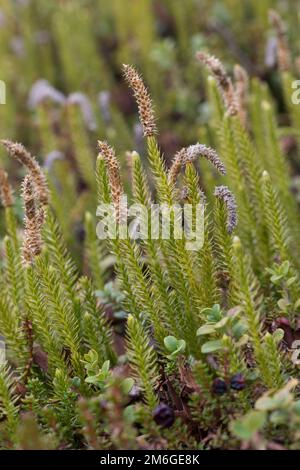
(279, 417)
(250, 424)
(283, 304)
(278, 335)
(171, 343)
(211, 346)
(105, 366)
(222, 323)
(205, 330)
(127, 385)
(265, 403)
(181, 345)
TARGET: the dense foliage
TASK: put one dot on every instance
(145, 344)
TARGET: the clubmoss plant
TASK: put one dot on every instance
(145, 343)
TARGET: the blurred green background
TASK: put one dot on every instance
(79, 46)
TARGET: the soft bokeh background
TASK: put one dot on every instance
(79, 46)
